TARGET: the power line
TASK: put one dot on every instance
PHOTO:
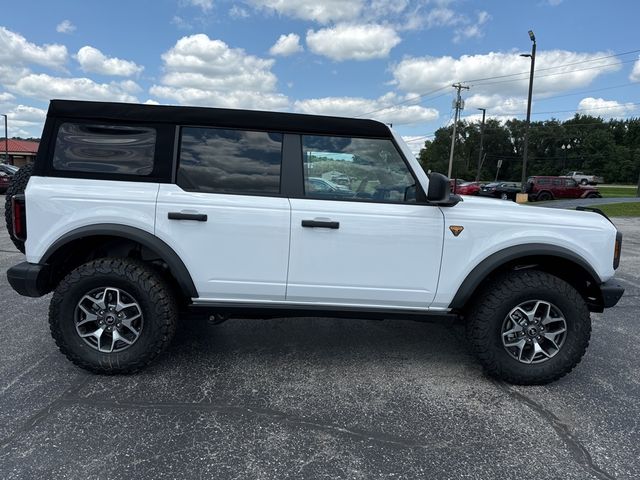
(426, 94)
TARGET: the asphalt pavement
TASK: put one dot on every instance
(317, 398)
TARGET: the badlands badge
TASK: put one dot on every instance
(456, 229)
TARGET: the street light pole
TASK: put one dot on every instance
(525, 151)
(484, 112)
(6, 140)
(459, 106)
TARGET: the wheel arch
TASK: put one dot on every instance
(552, 259)
(81, 244)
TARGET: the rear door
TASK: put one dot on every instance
(372, 245)
(225, 215)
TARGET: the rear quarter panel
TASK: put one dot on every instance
(56, 206)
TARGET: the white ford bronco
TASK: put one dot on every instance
(135, 215)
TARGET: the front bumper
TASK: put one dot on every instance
(611, 293)
(29, 279)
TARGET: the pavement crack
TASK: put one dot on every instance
(575, 446)
(274, 415)
(43, 413)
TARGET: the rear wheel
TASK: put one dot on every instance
(584, 181)
(593, 195)
(529, 327)
(544, 196)
(17, 187)
(113, 315)
(504, 196)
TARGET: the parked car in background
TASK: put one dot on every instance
(503, 190)
(583, 179)
(6, 174)
(468, 188)
(461, 187)
(319, 186)
(551, 188)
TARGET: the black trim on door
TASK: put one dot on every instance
(198, 217)
(321, 224)
(291, 176)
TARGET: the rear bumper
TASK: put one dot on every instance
(29, 279)
(611, 293)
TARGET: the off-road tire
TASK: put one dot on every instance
(17, 187)
(146, 286)
(495, 301)
(544, 196)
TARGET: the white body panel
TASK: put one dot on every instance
(382, 254)
(240, 253)
(254, 249)
(491, 226)
(57, 206)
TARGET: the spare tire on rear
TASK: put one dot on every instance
(17, 187)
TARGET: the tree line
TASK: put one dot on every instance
(608, 148)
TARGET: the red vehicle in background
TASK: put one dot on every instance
(550, 188)
(464, 188)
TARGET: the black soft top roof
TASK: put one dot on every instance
(218, 117)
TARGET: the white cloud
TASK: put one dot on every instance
(65, 26)
(562, 72)
(92, 60)
(26, 121)
(205, 71)
(472, 30)
(205, 5)
(6, 97)
(286, 45)
(635, 73)
(321, 11)
(605, 108)
(46, 87)
(15, 50)
(415, 143)
(381, 109)
(442, 17)
(238, 12)
(353, 42)
(497, 105)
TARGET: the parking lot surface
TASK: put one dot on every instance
(317, 398)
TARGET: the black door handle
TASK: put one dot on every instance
(320, 224)
(198, 217)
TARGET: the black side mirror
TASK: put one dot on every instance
(439, 189)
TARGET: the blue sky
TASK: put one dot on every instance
(394, 61)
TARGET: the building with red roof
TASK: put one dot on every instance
(20, 152)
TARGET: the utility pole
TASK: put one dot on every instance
(6, 140)
(459, 105)
(484, 112)
(525, 152)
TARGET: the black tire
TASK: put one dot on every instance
(144, 285)
(584, 181)
(504, 196)
(593, 195)
(488, 315)
(17, 187)
(544, 196)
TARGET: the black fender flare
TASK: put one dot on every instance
(502, 257)
(153, 243)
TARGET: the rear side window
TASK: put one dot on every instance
(215, 160)
(109, 149)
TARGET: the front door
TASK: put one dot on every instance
(365, 242)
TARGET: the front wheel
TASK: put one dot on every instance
(529, 327)
(584, 181)
(112, 315)
(504, 196)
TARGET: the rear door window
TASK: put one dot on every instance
(215, 160)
